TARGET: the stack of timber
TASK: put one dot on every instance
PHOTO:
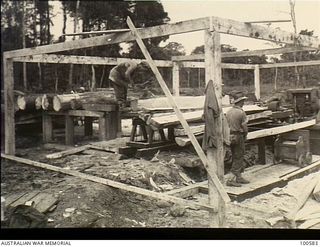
(88, 101)
(253, 120)
(184, 103)
(164, 120)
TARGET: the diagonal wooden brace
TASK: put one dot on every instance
(183, 122)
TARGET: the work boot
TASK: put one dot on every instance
(233, 183)
(241, 180)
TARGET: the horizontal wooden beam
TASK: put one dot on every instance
(271, 21)
(117, 185)
(184, 141)
(65, 59)
(188, 64)
(291, 64)
(98, 32)
(220, 25)
(245, 53)
(279, 130)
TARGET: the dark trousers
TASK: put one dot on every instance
(120, 91)
(237, 150)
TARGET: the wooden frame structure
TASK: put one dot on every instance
(221, 25)
(186, 61)
(212, 26)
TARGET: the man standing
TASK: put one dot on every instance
(237, 120)
(121, 78)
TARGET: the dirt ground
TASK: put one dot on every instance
(83, 203)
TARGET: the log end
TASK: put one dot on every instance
(21, 102)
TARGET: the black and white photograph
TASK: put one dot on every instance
(160, 115)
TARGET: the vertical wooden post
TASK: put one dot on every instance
(275, 78)
(103, 127)
(175, 79)
(46, 127)
(69, 130)
(215, 155)
(257, 81)
(88, 129)
(9, 106)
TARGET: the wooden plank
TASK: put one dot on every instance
(184, 141)
(9, 103)
(198, 128)
(186, 191)
(108, 182)
(215, 156)
(187, 64)
(166, 120)
(83, 113)
(257, 82)
(279, 130)
(312, 167)
(290, 64)
(99, 32)
(14, 197)
(67, 152)
(260, 52)
(175, 79)
(220, 25)
(90, 60)
(304, 194)
(171, 100)
(29, 196)
(99, 107)
(148, 152)
(316, 192)
(44, 201)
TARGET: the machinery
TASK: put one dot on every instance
(293, 146)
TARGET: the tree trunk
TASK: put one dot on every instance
(64, 22)
(75, 101)
(24, 65)
(93, 79)
(75, 25)
(102, 76)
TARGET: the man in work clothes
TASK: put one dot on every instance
(237, 120)
(121, 79)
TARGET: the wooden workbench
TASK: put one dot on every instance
(109, 123)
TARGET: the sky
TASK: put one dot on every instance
(307, 17)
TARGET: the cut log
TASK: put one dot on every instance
(47, 102)
(38, 102)
(27, 102)
(67, 152)
(75, 104)
(62, 102)
(77, 101)
(316, 192)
